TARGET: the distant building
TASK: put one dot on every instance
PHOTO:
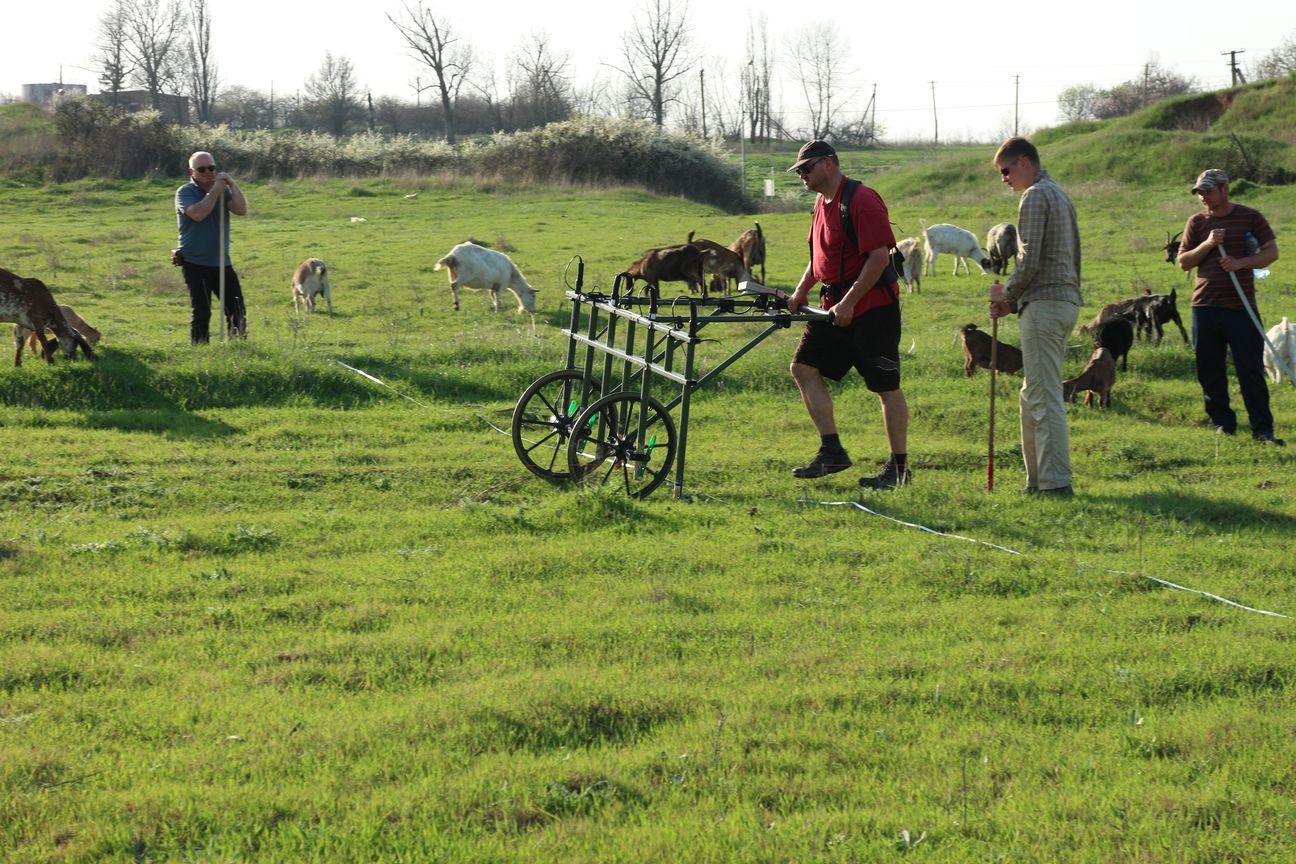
(45, 94)
(173, 107)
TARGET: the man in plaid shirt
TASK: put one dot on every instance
(1044, 289)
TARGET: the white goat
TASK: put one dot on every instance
(309, 280)
(1001, 242)
(958, 242)
(473, 266)
(1283, 337)
(911, 270)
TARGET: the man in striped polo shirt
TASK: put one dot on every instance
(1224, 241)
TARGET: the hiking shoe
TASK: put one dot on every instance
(1060, 492)
(1268, 438)
(889, 477)
(825, 462)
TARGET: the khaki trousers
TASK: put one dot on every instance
(1046, 447)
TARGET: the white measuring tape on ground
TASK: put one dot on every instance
(1204, 594)
(859, 506)
(383, 383)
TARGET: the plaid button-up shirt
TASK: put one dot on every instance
(1048, 247)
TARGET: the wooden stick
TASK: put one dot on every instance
(220, 232)
(994, 371)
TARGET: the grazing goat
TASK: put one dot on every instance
(1127, 309)
(1171, 248)
(26, 338)
(911, 270)
(751, 246)
(958, 242)
(1098, 377)
(309, 280)
(670, 264)
(1001, 243)
(473, 266)
(1283, 338)
(976, 352)
(722, 263)
(1155, 310)
(29, 304)
(1117, 336)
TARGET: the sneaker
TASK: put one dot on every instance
(825, 462)
(888, 478)
(1060, 492)
(1268, 438)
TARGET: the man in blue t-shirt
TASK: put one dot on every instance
(200, 245)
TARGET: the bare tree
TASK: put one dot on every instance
(243, 108)
(154, 43)
(655, 53)
(1087, 102)
(542, 90)
(332, 93)
(817, 55)
(436, 45)
(114, 64)
(757, 74)
(1278, 62)
(203, 79)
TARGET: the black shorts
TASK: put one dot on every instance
(871, 344)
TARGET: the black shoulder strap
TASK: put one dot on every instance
(890, 275)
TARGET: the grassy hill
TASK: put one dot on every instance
(1247, 131)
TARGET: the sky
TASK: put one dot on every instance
(990, 67)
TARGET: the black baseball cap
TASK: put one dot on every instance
(813, 150)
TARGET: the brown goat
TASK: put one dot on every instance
(670, 264)
(1127, 309)
(723, 264)
(1098, 377)
(750, 245)
(29, 304)
(26, 338)
(976, 352)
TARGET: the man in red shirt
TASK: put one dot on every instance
(850, 255)
(1220, 322)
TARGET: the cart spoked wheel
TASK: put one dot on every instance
(544, 417)
(610, 447)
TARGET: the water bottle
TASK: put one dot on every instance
(1253, 248)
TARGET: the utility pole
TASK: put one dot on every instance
(702, 79)
(1238, 77)
(271, 104)
(1016, 103)
(935, 120)
(871, 112)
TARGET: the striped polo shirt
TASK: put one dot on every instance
(1214, 287)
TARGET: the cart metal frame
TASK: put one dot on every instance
(604, 414)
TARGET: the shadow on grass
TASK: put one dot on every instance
(1195, 508)
(121, 391)
(128, 400)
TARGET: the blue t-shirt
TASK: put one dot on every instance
(198, 239)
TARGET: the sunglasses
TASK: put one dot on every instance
(204, 169)
(803, 170)
(1007, 169)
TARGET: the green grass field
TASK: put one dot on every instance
(259, 608)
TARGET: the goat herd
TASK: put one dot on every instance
(30, 306)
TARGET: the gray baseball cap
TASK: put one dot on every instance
(1209, 179)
